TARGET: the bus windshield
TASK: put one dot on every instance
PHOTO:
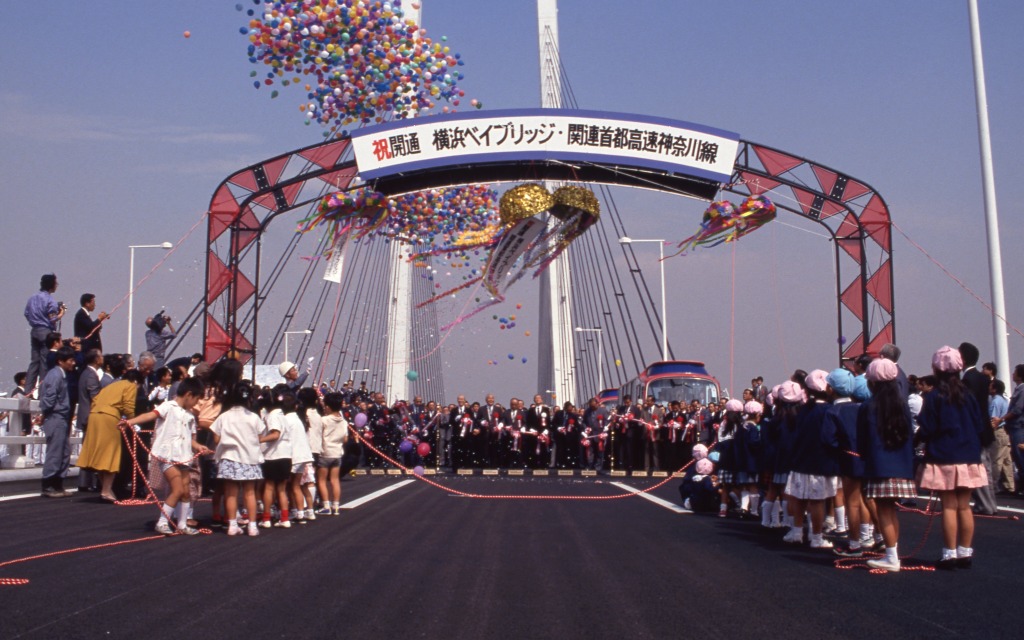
(684, 390)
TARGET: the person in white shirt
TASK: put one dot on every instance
(334, 436)
(277, 456)
(236, 431)
(174, 447)
(302, 460)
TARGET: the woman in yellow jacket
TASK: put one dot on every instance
(101, 450)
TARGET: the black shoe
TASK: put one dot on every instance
(963, 563)
(946, 565)
(844, 551)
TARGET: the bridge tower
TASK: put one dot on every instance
(556, 375)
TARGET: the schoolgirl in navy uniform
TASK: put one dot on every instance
(840, 434)
(748, 459)
(787, 408)
(951, 424)
(726, 448)
(885, 443)
(772, 480)
(813, 477)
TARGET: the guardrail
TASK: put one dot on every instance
(22, 452)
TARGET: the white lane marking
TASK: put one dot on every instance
(376, 494)
(655, 499)
(20, 496)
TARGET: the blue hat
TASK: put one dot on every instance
(842, 382)
(714, 456)
(860, 389)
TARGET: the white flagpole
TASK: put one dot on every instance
(995, 261)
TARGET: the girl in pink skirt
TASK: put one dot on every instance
(951, 424)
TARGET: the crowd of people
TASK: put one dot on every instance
(833, 450)
(841, 449)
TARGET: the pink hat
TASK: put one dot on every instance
(790, 391)
(734, 405)
(769, 399)
(704, 467)
(947, 359)
(817, 380)
(753, 407)
(882, 369)
(700, 451)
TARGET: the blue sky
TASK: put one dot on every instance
(117, 129)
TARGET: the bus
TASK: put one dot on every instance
(608, 398)
(673, 380)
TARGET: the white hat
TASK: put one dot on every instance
(285, 367)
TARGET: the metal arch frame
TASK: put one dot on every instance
(857, 219)
(270, 187)
(852, 211)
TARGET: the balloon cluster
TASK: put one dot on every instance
(436, 216)
(724, 222)
(367, 60)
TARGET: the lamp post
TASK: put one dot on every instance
(600, 355)
(131, 280)
(353, 372)
(664, 310)
(291, 333)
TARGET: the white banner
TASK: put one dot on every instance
(336, 262)
(545, 134)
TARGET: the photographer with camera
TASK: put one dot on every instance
(42, 313)
(159, 333)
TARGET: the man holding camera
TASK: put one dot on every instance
(42, 313)
(159, 333)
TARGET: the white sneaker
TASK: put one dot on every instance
(253, 531)
(189, 531)
(164, 528)
(284, 524)
(794, 536)
(264, 524)
(883, 563)
(310, 514)
(822, 544)
(235, 530)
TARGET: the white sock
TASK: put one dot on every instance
(167, 513)
(797, 531)
(865, 531)
(854, 544)
(891, 555)
(766, 514)
(817, 538)
(948, 554)
(745, 500)
(185, 509)
(962, 552)
(755, 502)
(190, 509)
(841, 523)
(831, 520)
(777, 513)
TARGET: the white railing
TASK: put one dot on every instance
(19, 451)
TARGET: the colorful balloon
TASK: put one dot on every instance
(360, 420)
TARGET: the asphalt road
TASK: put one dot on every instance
(421, 562)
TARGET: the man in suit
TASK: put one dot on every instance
(488, 418)
(977, 384)
(86, 328)
(461, 420)
(90, 381)
(512, 435)
(538, 422)
(55, 406)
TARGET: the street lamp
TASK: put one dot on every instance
(352, 373)
(131, 279)
(290, 333)
(664, 310)
(600, 354)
